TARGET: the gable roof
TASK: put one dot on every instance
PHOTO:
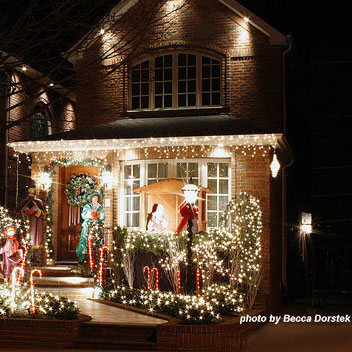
(275, 37)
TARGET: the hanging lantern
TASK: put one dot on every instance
(275, 166)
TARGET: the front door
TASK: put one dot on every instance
(69, 227)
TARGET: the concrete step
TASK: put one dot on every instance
(72, 293)
(63, 281)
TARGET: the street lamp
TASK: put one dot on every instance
(190, 210)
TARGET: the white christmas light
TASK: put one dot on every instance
(45, 180)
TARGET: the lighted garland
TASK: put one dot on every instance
(48, 306)
(78, 188)
(50, 169)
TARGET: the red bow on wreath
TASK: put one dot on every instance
(188, 213)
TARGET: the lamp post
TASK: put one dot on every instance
(190, 192)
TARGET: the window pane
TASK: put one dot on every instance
(206, 85)
(128, 188)
(136, 171)
(212, 219)
(206, 71)
(144, 102)
(150, 182)
(145, 88)
(127, 170)
(136, 75)
(212, 203)
(191, 72)
(136, 184)
(216, 98)
(212, 168)
(168, 74)
(158, 101)
(212, 184)
(162, 172)
(192, 100)
(191, 86)
(136, 203)
(135, 103)
(193, 169)
(181, 170)
(205, 99)
(152, 170)
(145, 64)
(191, 60)
(223, 169)
(135, 219)
(168, 87)
(205, 60)
(182, 73)
(159, 61)
(168, 61)
(158, 88)
(223, 201)
(159, 75)
(135, 89)
(128, 219)
(168, 101)
(145, 75)
(182, 87)
(182, 100)
(182, 59)
(215, 84)
(223, 186)
(127, 203)
(216, 71)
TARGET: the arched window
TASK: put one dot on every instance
(176, 81)
(38, 123)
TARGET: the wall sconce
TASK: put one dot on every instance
(306, 223)
(107, 177)
(45, 180)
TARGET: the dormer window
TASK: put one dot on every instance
(176, 81)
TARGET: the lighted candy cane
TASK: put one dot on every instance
(24, 260)
(91, 259)
(147, 269)
(33, 309)
(179, 281)
(15, 278)
(150, 271)
(100, 276)
(198, 281)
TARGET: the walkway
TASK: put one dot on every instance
(102, 313)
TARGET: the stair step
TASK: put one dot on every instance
(72, 293)
(64, 281)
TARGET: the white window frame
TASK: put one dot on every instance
(175, 106)
(202, 175)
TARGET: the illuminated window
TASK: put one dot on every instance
(176, 81)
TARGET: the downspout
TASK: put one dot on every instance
(284, 170)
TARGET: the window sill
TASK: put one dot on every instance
(176, 112)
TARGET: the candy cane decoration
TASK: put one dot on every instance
(179, 280)
(100, 276)
(15, 278)
(33, 309)
(150, 272)
(24, 260)
(147, 269)
(198, 281)
(91, 259)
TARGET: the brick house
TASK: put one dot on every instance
(30, 108)
(201, 96)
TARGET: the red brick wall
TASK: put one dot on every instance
(251, 66)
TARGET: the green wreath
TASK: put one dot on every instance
(78, 189)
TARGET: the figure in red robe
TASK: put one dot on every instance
(10, 251)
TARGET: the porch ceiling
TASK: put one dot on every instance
(130, 133)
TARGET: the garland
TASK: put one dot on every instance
(78, 188)
(50, 169)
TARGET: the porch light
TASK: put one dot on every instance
(45, 180)
(306, 223)
(190, 192)
(275, 166)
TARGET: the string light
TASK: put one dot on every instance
(90, 252)
(275, 166)
(101, 265)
